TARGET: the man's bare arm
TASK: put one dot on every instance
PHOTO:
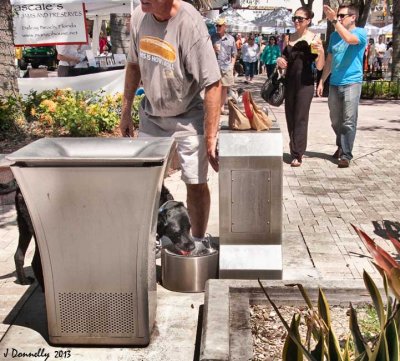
(132, 80)
(212, 108)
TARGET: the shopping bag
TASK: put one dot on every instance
(258, 119)
(237, 119)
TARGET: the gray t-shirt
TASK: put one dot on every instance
(227, 50)
(176, 61)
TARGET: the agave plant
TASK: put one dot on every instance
(384, 348)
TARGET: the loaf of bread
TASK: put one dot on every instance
(158, 47)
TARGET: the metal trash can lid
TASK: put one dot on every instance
(94, 151)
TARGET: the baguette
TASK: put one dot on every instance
(158, 47)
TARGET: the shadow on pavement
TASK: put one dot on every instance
(30, 312)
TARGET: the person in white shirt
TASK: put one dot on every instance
(380, 50)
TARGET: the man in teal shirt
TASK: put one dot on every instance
(345, 64)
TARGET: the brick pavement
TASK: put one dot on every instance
(319, 202)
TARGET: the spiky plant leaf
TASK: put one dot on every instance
(303, 293)
(381, 257)
(362, 357)
(291, 352)
(394, 281)
(394, 241)
(323, 308)
(319, 349)
(392, 339)
(290, 333)
(376, 298)
(381, 352)
(360, 345)
(333, 347)
(346, 352)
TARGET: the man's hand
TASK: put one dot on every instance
(126, 123)
(320, 88)
(330, 13)
(212, 152)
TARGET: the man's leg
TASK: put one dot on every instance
(352, 94)
(198, 203)
(335, 111)
(194, 164)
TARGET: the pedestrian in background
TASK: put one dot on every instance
(172, 54)
(344, 63)
(270, 54)
(225, 50)
(303, 49)
(250, 52)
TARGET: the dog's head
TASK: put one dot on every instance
(174, 223)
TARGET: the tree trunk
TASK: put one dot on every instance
(8, 70)
(396, 41)
(120, 29)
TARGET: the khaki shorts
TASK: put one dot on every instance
(227, 78)
(193, 158)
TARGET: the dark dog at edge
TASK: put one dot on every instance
(173, 222)
(26, 233)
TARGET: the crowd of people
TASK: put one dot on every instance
(378, 56)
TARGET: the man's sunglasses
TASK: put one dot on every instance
(218, 26)
(342, 16)
(300, 19)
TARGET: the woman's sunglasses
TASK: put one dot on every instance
(300, 19)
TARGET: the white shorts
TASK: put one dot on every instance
(193, 158)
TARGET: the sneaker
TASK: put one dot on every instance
(343, 163)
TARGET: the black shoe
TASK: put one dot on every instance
(343, 163)
(337, 154)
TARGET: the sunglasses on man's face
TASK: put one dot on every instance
(219, 26)
(342, 16)
(300, 19)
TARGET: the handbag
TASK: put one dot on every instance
(273, 90)
(258, 119)
(237, 119)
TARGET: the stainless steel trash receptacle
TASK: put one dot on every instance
(250, 204)
(93, 203)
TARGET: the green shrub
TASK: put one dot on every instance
(11, 116)
(81, 113)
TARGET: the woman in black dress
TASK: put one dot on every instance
(304, 48)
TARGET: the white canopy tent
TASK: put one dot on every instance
(237, 24)
(388, 29)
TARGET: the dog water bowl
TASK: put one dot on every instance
(188, 273)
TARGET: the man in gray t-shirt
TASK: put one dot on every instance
(226, 51)
(172, 54)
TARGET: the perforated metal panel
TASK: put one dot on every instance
(97, 313)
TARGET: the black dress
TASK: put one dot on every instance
(298, 95)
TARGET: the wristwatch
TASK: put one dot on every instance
(334, 21)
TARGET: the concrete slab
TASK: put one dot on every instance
(176, 324)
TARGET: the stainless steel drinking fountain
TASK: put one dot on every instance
(250, 204)
(93, 203)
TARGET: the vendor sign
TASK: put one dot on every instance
(49, 24)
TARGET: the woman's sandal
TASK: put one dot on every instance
(295, 163)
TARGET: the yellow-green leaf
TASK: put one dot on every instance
(359, 344)
(376, 298)
(392, 339)
(323, 308)
(291, 352)
(333, 347)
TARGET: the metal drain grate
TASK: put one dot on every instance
(97, 314)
